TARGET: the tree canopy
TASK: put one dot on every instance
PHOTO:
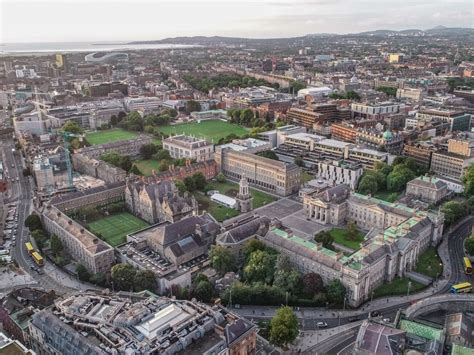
(260, 267)
(283, 327)
(33, 222)
(222, 259)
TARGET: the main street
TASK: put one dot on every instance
(52, 277)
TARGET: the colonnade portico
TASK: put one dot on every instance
(319, 214)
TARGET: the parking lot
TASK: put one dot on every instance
(9, 233)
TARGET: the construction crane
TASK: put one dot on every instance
(66, 137)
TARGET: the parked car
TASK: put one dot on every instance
(374, 314)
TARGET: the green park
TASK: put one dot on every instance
(212, 130)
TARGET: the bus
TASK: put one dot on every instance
(467, 266)
(463, 287)
(37, 258)
(29, 248)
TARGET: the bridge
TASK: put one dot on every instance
(450, 302)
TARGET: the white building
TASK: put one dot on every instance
(182, 146)
(315, 92)
(224, 200)
(340, 172)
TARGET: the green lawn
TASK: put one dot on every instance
(399, 286)
(212, 130)
(340, 237)
(429, 263)
(231, 189)
(147, 166)
(219, 212)
(114, 228)
(109, 135)
(305, 177)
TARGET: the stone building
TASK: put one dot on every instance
(396, 236)
(239, 231)
(244, 197)
(207, 168)
(267, 174)
(96, 255)
(427, 189)
(129, 147)
(158, 201)
(98, 168)
(182, 146)
(326, 207)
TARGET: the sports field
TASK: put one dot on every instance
(109, 135)
(114, 228)
(212, 130)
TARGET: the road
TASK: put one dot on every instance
(52, 278)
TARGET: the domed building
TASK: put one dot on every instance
(387, 141)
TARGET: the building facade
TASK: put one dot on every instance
(267, 174)
(182, 146)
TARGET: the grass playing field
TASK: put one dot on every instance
(114, 228)
(212, 130)
(147, 166)
(109, 135)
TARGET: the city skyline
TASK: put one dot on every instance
(36, 22)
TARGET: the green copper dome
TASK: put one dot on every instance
(387, 135)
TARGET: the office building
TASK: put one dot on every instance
(376, 110)
(337, 172)
(457, 120)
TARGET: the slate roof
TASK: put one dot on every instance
(235, 330)
(379, 339)
(244, 231)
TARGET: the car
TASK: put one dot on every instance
(353, 319)
(32, 267)
(374, 314)
(386, 320)
(321, 325)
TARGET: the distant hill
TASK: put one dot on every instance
(220, 40)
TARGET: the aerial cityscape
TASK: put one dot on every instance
(233, 178)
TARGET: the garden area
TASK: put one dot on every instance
(398, 286)
(211, 130)
(109, 135)
(429, 263)
(343, 237)
(114, 228)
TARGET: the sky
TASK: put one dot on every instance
(108, 20)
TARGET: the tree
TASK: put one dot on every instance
(82, 273)
(72, 127)
(221, 178)
(203, 291)
(135, 170)
(325, 238)
(469, 245)
(180, 186)
(289, 281)
(367, 185)
(283, 327)
(144, 280)
(299, 160)
(312, 284)
(336, 291)
(399, 177)
(222, 259)
(260, 267)
(33, 222)
(147, 150)
(199, 181)
(468, 180)
(26, 171)
(39, 237)
(454, 210)
(352, 231)
(190, 184)
(56, 245)
(246, 116)
(268, 154)
(253, 245)
(283, 263)
(192, 106)
(162, 155)
(123, 276)
(98, 279)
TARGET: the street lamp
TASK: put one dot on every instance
(408, 290)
